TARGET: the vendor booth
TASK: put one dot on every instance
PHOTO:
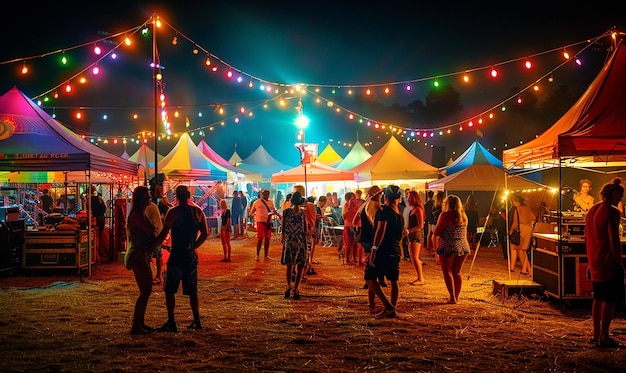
(589, 140)
(34, 147)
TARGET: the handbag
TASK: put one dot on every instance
(514, 237)
(268, 223)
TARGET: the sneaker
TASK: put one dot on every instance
(195, 324)
(169, 327)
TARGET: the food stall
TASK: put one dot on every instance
(36, 144)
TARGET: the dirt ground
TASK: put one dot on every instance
(60, 324)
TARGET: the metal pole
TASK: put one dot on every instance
(155, 70)
(304, 156)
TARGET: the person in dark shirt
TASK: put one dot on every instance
(98, 208)
(384, 258)
(46, 201)
(189, 230)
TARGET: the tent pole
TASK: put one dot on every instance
(155, 69)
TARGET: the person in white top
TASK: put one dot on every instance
(263, 210)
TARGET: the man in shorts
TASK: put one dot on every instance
(188, 230)
(263, 209)
(604, 252)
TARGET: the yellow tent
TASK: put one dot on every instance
(393, 163)
(329, 156)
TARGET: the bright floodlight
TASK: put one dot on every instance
(302, 121)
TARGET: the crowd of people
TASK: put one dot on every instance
(378, 231)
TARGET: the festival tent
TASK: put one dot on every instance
(478, 170)
(235, 159)
(329, 156)
(144, 156)
(125, 155)
(482, 177)
(260, 161)
(591, 133)
(355, 157)
(217, 159)
(186, 162)
(315, 172)
(393, 163)
(31, 140)
(212, 154)
(475, 154)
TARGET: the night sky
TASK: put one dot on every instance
(320, 43)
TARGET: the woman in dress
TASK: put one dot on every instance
(225, 230)
(452, 245)
(384, 258)
(294, 255)
(523, 219)
(415, 233)
(139, 255)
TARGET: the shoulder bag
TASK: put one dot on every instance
(514, 237)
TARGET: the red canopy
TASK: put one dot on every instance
(595, 126)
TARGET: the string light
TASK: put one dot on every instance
(265, 85)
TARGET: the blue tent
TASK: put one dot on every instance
(475, 154)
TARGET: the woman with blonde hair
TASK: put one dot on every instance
(225, 230)
(452, 245)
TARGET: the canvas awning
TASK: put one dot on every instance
(31, 140)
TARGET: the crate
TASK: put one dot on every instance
(57, 249)
(520, 287)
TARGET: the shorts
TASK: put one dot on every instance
(177, 274)
(417, 236)
(611, 291)
(385, 265)
(262, 231)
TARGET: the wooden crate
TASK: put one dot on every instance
(520, 287)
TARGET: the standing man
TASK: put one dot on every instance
(263, 209)
(189, 230)
(604, 252)
(46, 201)
(384, 259)
(236, 211)
(243, 218)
